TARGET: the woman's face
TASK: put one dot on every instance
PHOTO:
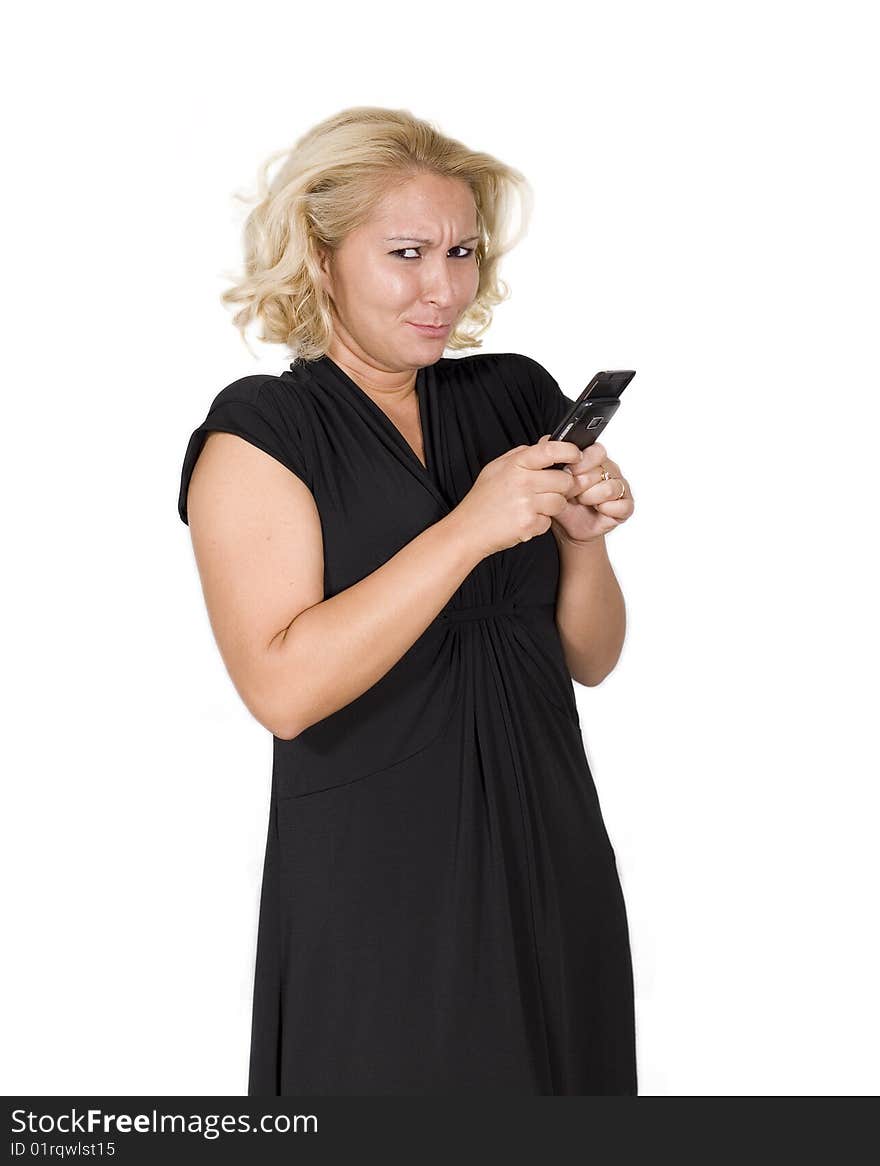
(382, 280)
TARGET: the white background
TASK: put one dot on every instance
(706, 213)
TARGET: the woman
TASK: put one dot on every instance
(380, 538)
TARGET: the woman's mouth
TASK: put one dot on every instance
(429, 329)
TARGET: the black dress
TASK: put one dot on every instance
(441, 910)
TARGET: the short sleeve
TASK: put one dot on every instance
(252, 409)
(551, 404)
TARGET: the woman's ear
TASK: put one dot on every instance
(325, 269)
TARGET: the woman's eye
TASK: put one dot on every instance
(400, 251)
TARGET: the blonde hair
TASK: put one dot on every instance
(329, 184)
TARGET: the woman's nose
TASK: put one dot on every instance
(439, 282)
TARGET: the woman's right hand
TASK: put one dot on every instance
(515, 496)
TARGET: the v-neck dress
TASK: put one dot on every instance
(441, 910)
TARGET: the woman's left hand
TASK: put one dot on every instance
(595, 505)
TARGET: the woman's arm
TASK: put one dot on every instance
(293, 656)
(333, 652)
(590, 611)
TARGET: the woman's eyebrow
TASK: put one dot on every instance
(426, 242)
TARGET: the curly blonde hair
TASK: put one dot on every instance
(329, 184)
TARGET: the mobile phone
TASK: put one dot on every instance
(593, 409)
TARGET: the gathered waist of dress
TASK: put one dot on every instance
(490, 610)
